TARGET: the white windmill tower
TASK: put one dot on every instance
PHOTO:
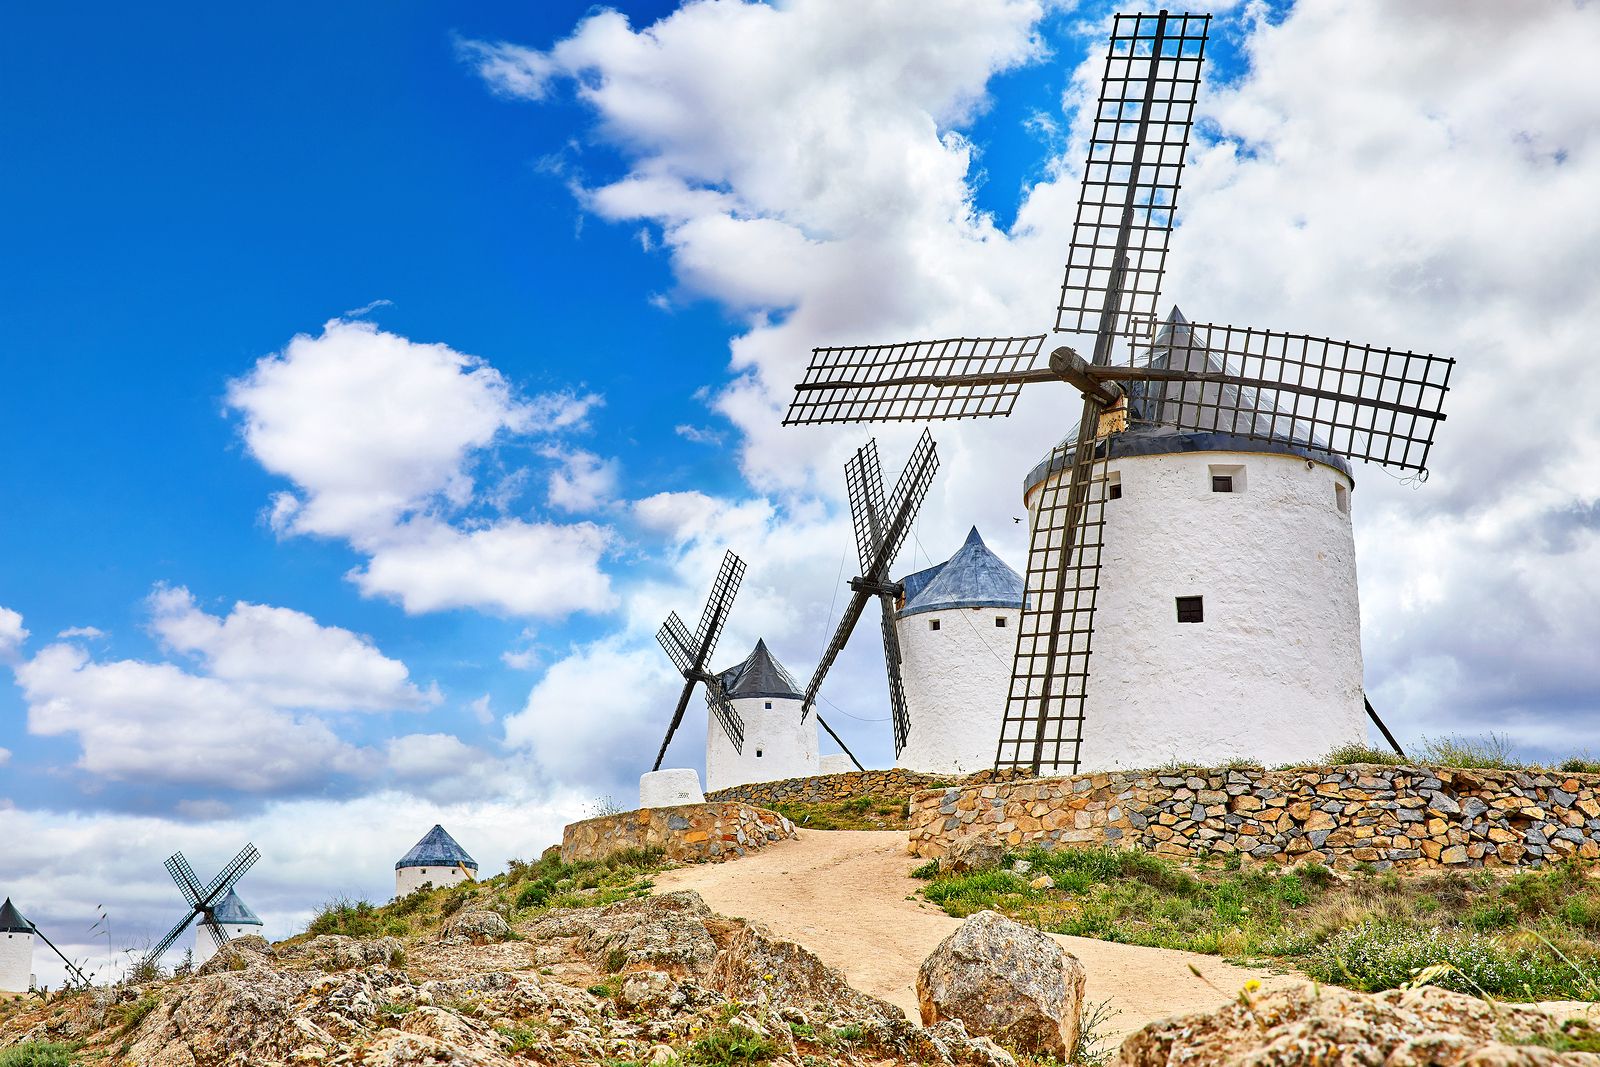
(1233, 561)
(435, 860)
(16, 950)
(958, 628)
(778, 741)
(235, 919)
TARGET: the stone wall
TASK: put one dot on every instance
(890, 782)
(690, 833)
(1340, 816)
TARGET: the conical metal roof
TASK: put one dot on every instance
(11, 920)
(972, 578)
(1233, 417)
(437, 849)
(759, 675)
(234, 912)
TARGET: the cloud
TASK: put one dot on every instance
(5, 756)
(838, 206)
(285, 656)
(583, 482)
(699, 435)
(533, 569)
(12, 635)
(382, 437)
(89, 633)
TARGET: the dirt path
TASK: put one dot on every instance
(843, 894)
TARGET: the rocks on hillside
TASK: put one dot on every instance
(1425, 1027)
(475, 927)
(973, 852)
(1005, 981)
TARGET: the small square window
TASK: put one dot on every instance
(933, 624)
(1114, 491)
(769, 705)
(758, 753)
(1227, 477)
(1000, 621)
(1222, 483)
(1341, 498)
(1191, 609)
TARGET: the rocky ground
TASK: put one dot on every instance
(664, 980)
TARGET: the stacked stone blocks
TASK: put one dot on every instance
(1400, 817)
(821, 789)
(689, 833)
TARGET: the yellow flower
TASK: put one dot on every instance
(1251, 986)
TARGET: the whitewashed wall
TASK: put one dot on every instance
(776, 744)
(956, 679)
(410, 879)
(205, 946)
(16, 962)
(1274, 671)
(670, 788)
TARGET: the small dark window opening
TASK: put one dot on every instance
(1114, 491)
(1222, 483)
(769, 705)
(758, 753)
(1000, 622)
(933, 624)
(1191, 609)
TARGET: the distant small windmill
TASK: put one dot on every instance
(203, 901)
(1320, 396)
(881, 526)
(16, 952)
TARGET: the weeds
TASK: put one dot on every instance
(129, 1016)
(1345, 755)
(1089, 1050)
(1486, 752)
(355, 918)
(727, 1048)
(37, 1054)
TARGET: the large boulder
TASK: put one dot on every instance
(1425, 1027)
(972, 852)
(476, 927)
(1005, 982)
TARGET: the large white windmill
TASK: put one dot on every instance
(1190, 589)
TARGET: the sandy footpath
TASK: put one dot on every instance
(843, 894)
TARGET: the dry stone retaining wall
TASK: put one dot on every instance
(817, 789)
(1340, 816)
(689, 833)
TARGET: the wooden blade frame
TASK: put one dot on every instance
(202, 901)
(697, 651)
(881, 528)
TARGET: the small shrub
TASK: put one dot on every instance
(37, 1054)
(520, 1038)
(1090, 1048)
(1347, 754)
(1486, 752)
(129, 1016)
(1374, 957)
(1581, 765)
(535, 894)
(926, 871)
(728, 1048)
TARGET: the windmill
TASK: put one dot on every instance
(881, 526)
(692, 654)
(203, 901)
(16, 967)
(1329, 398)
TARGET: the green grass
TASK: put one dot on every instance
(857, 813)
(129, 1016)
(727, 1048)
(1345, 755)
(524, 890)
(1574, 1035)
(1533, 935)
(37, 1054)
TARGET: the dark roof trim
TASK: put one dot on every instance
(11, 920)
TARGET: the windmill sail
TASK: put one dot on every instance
(691, 655)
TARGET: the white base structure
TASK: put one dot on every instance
(1273, 670)
(205, 946)
(958, 634)
(836, 763)
(670, 788)
(16, 961)
(777, 743)
(436, 860)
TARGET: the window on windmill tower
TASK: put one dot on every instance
(1227, 478)
(758, 753)
(1114, 485)
(769, 705)
(1000, 621)
(933, 624)
(1341, 498)
(1191, 609)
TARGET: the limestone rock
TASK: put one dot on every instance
(974, 852)
(475, 928)
(1005, 982)
(336, 952)
(1425, 1027)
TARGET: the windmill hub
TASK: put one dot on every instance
(871, 588)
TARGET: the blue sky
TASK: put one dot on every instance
(643, 236)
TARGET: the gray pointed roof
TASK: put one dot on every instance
(234, 912)
(972, 578)
(760, 675)
(11, 920)
(437, 849)
(1232, 418)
